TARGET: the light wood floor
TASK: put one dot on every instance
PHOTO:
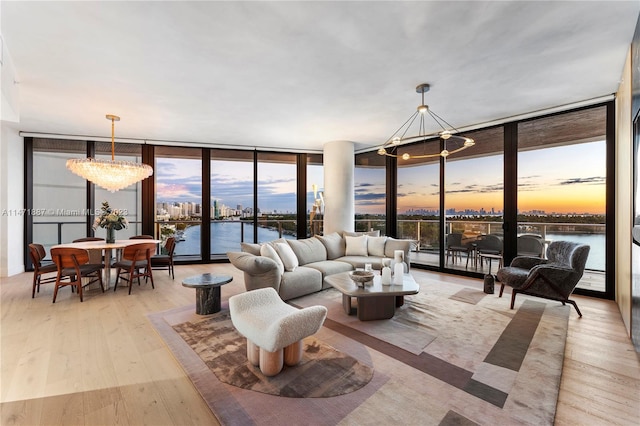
(100, 362)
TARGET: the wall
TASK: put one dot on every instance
(11, 201)
(624, 195)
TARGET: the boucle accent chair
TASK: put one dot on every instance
(553, 278)
(274, 330)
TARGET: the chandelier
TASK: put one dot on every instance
(453, 143)
(110, 175)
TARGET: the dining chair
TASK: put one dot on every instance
(165, 261)
(141, 237)
(73, 264)
(40, 267)
(135, 262)
(95, 256)
(455, 248)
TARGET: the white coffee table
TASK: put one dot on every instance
(374, 301)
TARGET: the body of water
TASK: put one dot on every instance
(225, 236)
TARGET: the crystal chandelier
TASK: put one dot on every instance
(452, 142)
(111, 175)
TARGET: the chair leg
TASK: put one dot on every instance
(151, 277)
(271, 363)
(513, 297)
(115, 286)
(501, 289)
(575, 306)
(253, 353)
(36, 282)
(293, 353)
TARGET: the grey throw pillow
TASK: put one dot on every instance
(334, 244)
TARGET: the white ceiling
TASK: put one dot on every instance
(295, 75)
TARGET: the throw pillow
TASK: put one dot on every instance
(267, 251)
(333, 243)
(308, 250)
(392, 245)
(287, 255)
(375, 246)
(375, 233)
(356, 246)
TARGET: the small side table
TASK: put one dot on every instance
(207, 291)
(491, 257)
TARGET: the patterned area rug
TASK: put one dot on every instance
(323, 372)
(450, 355)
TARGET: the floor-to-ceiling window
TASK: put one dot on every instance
(231, 203)
(178, 175)
(562, 172)
(370, 176)
(315, 194)
(418, 201)
(59, 212)
(277, 211)
(474, 198)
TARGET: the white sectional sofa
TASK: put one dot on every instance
(298, 267)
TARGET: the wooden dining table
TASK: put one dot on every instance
(107, 249)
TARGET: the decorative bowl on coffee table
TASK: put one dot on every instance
(361, 277)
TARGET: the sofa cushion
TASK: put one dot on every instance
(267, 250)
(330, 267)
(334, 244)
(392, 245)
(375, 246)
(360, 261)
(356, 246)
(250, 248)
(358, 234)
(302, 281)
(308, 250)
(287, 255)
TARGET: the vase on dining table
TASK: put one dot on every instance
(111, 234)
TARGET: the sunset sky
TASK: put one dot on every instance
(566, 179)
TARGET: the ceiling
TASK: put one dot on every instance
(295, 75)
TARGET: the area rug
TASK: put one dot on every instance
(450, 355)
(322, 373)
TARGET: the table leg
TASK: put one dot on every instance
(107, 269)
(346, 304)
(208, 300)
(376, 308)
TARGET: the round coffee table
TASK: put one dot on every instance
(207, 291)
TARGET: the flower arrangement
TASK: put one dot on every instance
(110, 218)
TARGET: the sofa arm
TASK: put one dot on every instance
(259, 271)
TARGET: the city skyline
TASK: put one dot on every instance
(563, 180)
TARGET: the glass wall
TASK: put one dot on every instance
(178, 182)
(315, 194)
(231, 200)
(59, 197)
(370, 176)
(562, 184)
(277, 212)
(418, 205)
(129, 199)
(474, 202)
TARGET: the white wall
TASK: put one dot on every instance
(11, 201)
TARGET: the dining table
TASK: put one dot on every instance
(107, 249)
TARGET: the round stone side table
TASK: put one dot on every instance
(207, 291)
